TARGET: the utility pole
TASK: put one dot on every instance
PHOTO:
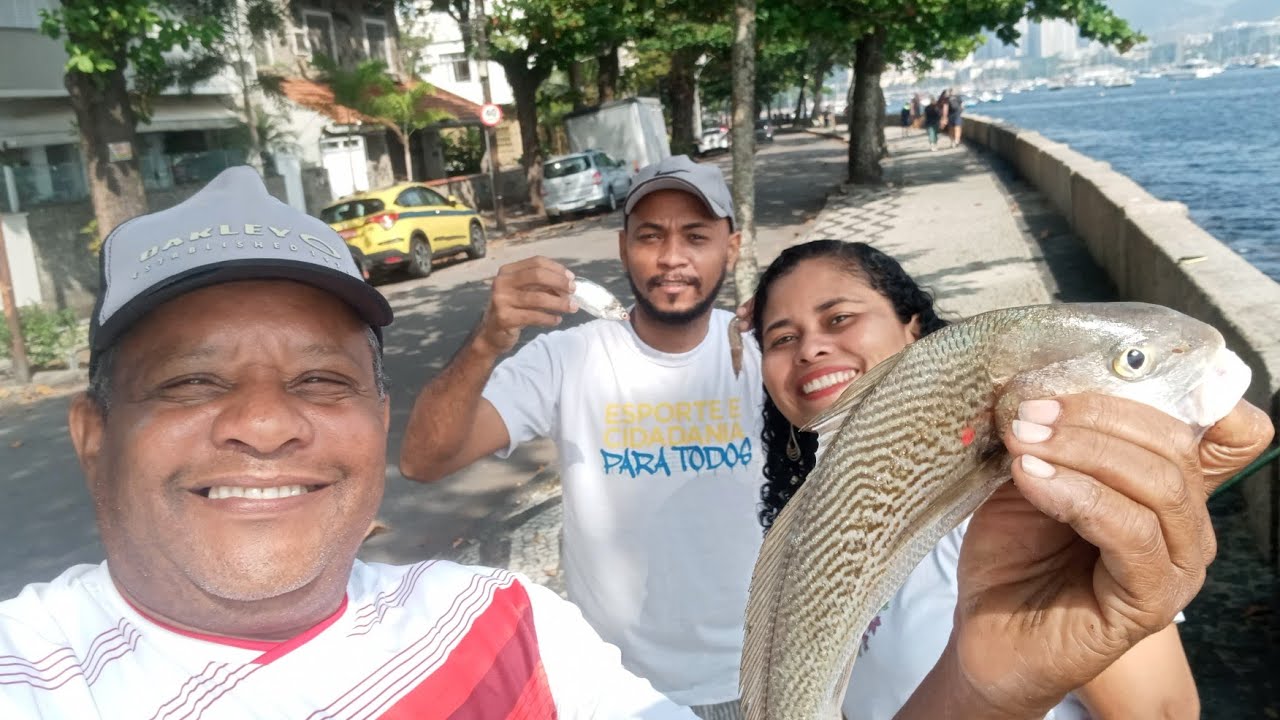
(18, 344)
(490, 133)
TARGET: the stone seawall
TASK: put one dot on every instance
(1153, 252)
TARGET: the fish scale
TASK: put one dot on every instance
(895, 472)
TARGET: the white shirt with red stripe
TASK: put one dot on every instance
(426, 641)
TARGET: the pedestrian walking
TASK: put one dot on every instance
(932, 119)
(955, 118)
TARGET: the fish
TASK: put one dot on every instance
(735, 345)
(593, 298)
(914, 446)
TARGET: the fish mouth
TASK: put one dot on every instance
(1219, 390)
(825, 382)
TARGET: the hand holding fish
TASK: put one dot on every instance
(1097, 544)
(531, 292)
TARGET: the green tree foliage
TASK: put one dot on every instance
(916, 33)
(52, 336)
(529, 39)
(104, 39)
(370, 90)
(463, 150)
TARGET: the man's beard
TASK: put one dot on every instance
(676, 317)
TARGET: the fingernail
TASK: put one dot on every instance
(1043, 412)
(1029, 432)
(1036, 467)
(569, 274)
(573, 307)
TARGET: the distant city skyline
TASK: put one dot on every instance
(1061, 39)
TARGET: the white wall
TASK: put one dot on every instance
(445, 40)
(22, 259)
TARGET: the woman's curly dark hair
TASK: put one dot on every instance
(782, 475)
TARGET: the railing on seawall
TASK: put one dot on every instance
(1153, 252)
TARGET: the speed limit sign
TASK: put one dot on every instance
(490, 114)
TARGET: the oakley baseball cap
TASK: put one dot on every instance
(678, 172)
(232, 229)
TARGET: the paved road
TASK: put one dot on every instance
(46, 522)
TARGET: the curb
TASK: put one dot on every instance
(44, 384)
(824, 133)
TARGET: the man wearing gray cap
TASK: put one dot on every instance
(233, 440)
(657, 438)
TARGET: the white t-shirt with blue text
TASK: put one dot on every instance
(661, 469)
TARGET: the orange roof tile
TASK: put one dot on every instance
(319, 97)
(315, 96)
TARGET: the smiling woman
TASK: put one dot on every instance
(826, 313)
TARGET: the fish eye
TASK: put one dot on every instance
(1132, 363)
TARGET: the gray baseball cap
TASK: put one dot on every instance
(232, 229)
(678, 172)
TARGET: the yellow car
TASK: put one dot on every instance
(404, 226)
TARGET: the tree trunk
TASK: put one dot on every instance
(864, 121)
(799, 104)
(607, 74)
(744, 145)
(105, 117)
(576, 84)
(255, 159)
(882, 112)
(524, 82)
(680, 85)
(403, 138)
(820, 71)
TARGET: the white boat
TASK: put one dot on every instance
(1119, 81)
(1195, 69)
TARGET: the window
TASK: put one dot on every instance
(565, 167)
(411, 197)
(23, 13)
(460, 65)
(351, 210)
(319, 34)
(263, 52)
(431, 197)
(376, 46)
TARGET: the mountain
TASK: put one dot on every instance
(1251, 10)
(1165, 20)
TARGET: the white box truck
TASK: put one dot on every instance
(632, 130)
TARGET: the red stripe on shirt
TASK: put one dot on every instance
(494, 672)
(271, 650)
